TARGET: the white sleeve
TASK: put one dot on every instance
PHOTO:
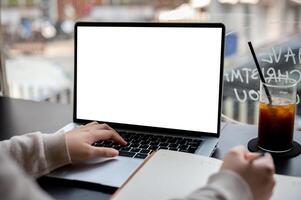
(15, 184)
(36, 153)
(224, 185)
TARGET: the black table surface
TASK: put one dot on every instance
(21, 116)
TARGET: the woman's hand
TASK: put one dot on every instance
(258, 173)
(79, 141)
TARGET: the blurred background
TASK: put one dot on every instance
(36, 38)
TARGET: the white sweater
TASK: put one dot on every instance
(23, 158)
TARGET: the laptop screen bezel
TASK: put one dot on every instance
(151, 24)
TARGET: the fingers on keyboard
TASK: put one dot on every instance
(141, 145)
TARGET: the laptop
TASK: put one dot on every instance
(158, 84)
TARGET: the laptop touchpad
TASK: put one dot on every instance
(105, 171)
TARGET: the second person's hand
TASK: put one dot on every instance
(256, 170)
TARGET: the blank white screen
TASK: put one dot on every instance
(158, 76)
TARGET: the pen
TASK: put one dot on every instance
(261, 154)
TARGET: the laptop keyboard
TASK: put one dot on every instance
(141, 145)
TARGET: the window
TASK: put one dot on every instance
(37, 45)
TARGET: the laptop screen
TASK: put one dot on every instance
(154, 76)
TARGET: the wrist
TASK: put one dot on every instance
(56, 150)
(231, 185)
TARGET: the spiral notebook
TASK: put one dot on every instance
(167, 174)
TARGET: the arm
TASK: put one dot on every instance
(37, 153)
(15, 184)
(224, 185)
(241, 177)
(40, 153)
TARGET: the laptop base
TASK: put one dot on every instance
(113, 172)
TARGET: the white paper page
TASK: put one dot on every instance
(172, 174)
(169, 175)
(287, 188)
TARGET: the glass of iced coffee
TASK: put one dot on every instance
(277, 108)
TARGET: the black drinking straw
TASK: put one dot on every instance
(260, 72)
